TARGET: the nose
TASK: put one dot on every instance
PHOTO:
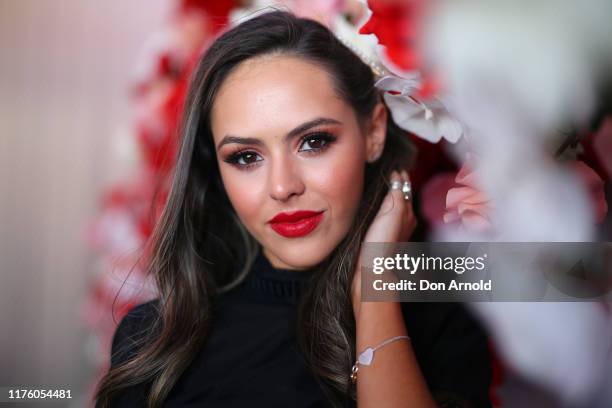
(285, 180)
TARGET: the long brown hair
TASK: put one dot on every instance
(200, 248)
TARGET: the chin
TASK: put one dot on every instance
(301, 255)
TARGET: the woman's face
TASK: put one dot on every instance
(286, 142)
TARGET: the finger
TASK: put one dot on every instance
(393, 202)
(408, 226)
(386, 226)
(409, 221)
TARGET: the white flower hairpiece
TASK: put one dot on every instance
(428, 119)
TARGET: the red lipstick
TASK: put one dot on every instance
(296, 224)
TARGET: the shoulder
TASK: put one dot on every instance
(132, 331)
(452, 348)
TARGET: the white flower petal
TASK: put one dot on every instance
(450, 128)
(403, 85)
(412, 117)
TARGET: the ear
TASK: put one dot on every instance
(376, 133)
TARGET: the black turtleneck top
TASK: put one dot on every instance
(251, 357)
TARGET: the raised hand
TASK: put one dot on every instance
(394, 222)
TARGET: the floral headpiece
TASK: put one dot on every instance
(422, 113)
(414, 103)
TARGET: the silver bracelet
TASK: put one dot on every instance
(367, 356)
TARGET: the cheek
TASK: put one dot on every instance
(245, 193)
(340, 180)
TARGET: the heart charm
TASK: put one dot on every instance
(366, 357)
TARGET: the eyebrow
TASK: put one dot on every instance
(298, 130)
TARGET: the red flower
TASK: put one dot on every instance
(394, 23)
(217, 10)
(398, 24)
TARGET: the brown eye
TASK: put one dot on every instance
(248, 158)
(316, 141)
(243, 159)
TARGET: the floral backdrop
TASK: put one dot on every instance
(467, 150)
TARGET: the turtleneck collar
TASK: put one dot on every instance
(268, 284)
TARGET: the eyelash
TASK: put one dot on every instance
(326, 137)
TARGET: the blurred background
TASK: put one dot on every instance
(66, 71)
(91, 93)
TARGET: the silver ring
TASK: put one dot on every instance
(396, 185)
(407, 190)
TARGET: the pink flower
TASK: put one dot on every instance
(470, 207)
(466, 204)
(433, 197)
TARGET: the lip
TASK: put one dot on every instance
(296, 224)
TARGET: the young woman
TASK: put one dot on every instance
(289, 161)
